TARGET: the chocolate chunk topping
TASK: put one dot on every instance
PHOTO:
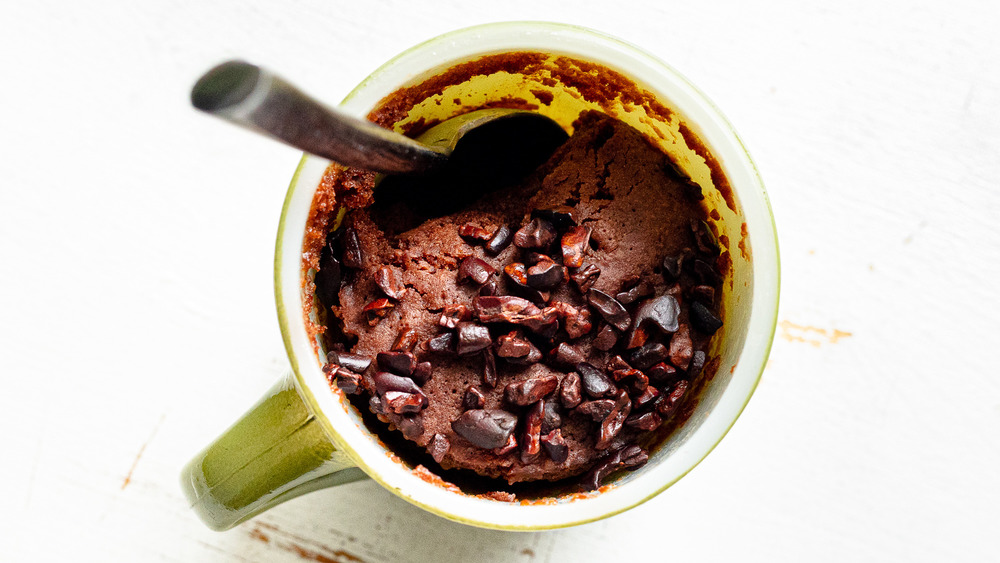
(474, 269)
(648, 355)
(489, 369)
(472, 338)
(595, 383)
(390, 282)
(473, 398)
(353, 362)
(606, 338)
(610, 309)
(473, 234)
(555, 446)
(444, 343)
(439, 447)
(703, 319)
(574, 245)
(546, 274)
(353, 257)
(537, 234)
(400, 363)
(681, 347)
(451, 315)
(499, 241)
(585, 276)
(561, 216)
(523, 393)
(485, 428)
(570, 389)
(377, 310)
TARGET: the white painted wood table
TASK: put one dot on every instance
(136, 241)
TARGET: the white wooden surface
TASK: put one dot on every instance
(137, 322)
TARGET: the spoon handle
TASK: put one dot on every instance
(257, 99)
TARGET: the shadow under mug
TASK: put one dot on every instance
(302, 437)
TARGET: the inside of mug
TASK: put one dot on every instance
(561, 87)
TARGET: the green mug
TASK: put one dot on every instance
(302, 436)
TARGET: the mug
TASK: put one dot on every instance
(302, 436)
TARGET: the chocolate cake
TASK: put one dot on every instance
(544, 330)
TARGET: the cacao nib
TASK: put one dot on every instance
(517, 273)
(444, 343)
(473, 398)
(348, 381)
(531, 258)
(422, 373)
(390, 281)
(705, 272)
(561, 216)
(565, 355)
(662, 311)
(385, 382)
(439, 447)
(667, 403)
(499, 241)
(489, 369)
(451, 315)
(576, 321)
(545, 275)
(585, 276)
(552, 418)
(490, 288)
(646, 421)
(629, 457)
(606, 338)
(705, 238)
(570, 390)
(648, 395)
(523, 393)
(574, 245)
(648, 355)
(612, 424)
(672, 265)
(404, 403)
(405, 340)
(662, 373)
(537, 234)
(703, 293)
(329, 277)
(377, 310)
(530, 445)
(633, 294)
(597, 409)
(485, 428)
(610, 309)
(697, 364)
(703, 319)
(510, 446)
(594, 382)
(353, 362)
(503, 308)
(514, 345)
(474, 269)
(376, 405)
(681, 348)
(353, 257)
(412, 426)
(473, 234)
(472, 338)
(400, 363)
(555, 446)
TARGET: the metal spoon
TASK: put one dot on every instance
(257, 99)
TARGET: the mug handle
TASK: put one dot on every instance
(275, 452)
